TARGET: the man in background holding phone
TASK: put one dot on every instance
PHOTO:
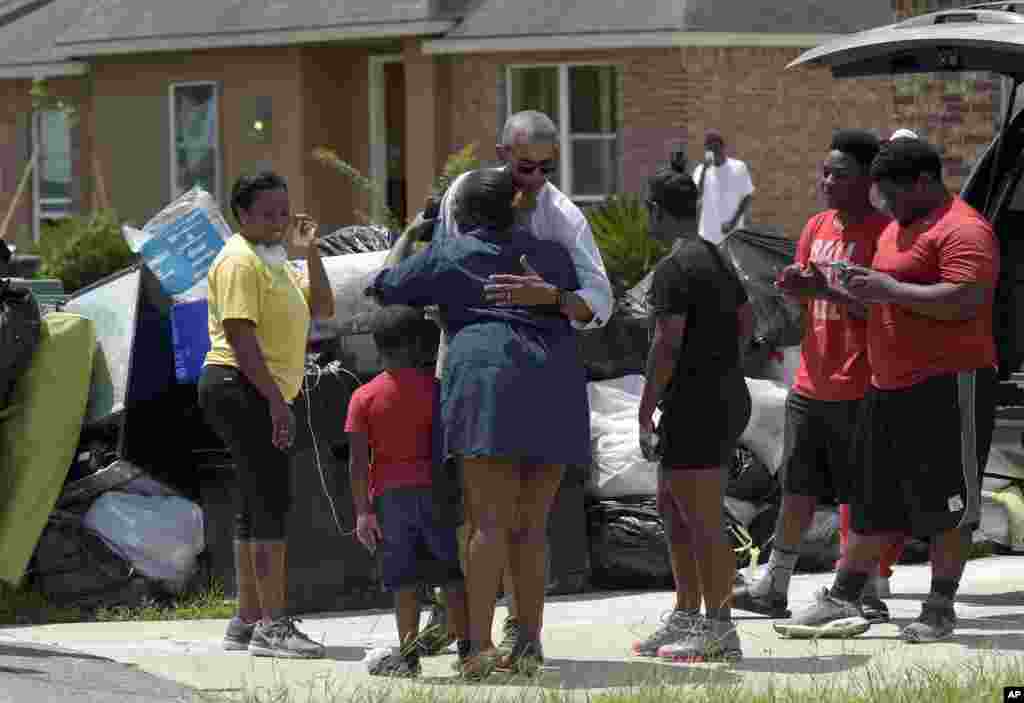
(725, 190)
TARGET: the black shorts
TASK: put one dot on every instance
(703, 419)
(240, 416)
(418, 548)
(923, 450)
(816, 447)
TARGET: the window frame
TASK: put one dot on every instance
(171, 144)
(566, 136)
(38, 146)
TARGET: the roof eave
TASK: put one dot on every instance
(624, 40)
(40, 70)
(241, 40)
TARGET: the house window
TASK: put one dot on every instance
(583, 99)
(195, 138)
(54, 170)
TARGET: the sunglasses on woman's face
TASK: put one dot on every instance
(528, 167)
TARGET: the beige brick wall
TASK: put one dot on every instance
(779, 121)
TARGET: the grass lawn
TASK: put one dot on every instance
(23, 606)
(980, 679)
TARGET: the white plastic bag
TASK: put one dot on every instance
(764, 433)
(349, 275)
(180, 242)
(619, 468)
(161, 536)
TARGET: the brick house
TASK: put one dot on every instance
(166, 97)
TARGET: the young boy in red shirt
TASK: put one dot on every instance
(390, 425)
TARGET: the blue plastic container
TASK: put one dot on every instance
(191, 339)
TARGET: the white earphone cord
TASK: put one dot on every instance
(316, 445)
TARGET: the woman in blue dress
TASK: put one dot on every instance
(514, 407)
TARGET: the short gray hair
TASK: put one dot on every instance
(539, 128)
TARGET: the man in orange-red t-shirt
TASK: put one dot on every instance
(833, 375)
(928, 416)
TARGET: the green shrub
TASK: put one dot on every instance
(458, 163)
(83, 249)
(621, 232)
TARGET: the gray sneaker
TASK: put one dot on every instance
(935, 624)
(282, 639)
(237, 637)
(710, 641)
(675, 626)
(828, 617)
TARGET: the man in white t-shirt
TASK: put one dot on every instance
(725, 190)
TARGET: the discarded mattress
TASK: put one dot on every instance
(39, 434)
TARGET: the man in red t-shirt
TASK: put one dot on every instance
(928, 416)
(833, 376)
(393, 416)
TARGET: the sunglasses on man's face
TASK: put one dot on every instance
(528, 167)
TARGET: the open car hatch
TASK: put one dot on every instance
(987, 37)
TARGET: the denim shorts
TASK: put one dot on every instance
(417, 547)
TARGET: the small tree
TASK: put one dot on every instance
(461, 161)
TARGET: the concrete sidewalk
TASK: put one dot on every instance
(586, 638)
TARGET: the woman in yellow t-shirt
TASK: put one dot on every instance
(260, 311)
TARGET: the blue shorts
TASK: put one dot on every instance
(417, 547)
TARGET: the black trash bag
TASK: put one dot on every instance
(750, 480)
(627, 545)
(819, 550)
(20, 329)
(916, 551)
(72, 565)
(758, 256)
(629, 550)
(617, 349)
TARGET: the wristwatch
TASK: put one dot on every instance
(563, 299)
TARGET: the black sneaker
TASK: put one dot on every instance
(935, 624)
(526, 658)
(397, 666)
(509, 635)
(238, 635)
(282, 639)
(874, 608)
(774, 605)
